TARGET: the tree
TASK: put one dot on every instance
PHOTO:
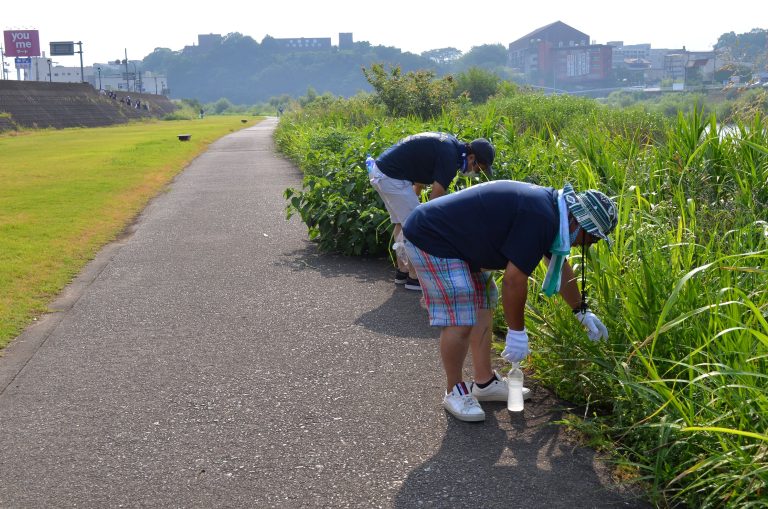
(747, 47)
(442, 56)
(413, 93)
(193, 103)
(222, 105)
(487, 56)
(246, 72)
(310, 97)
(477, 83)
(161, 58)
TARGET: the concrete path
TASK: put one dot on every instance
(214, 358)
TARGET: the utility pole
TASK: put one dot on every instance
(82, 75)
(127, 85)
(2, 57)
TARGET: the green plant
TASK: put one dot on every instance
(415, 93)
(342, 212)
(477, 83)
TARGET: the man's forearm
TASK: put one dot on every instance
(514, 292)
(437, 190)
(569, 287)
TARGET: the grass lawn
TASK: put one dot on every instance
(66, 193)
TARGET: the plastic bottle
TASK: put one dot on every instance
(515, 388)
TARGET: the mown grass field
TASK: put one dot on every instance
(65, 193)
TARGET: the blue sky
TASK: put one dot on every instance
(107, 28)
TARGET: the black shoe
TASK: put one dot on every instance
(412, 284)
(401, 277)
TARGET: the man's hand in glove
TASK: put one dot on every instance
(595, 328)
(517, 346)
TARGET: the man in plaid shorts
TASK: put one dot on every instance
(455, 242)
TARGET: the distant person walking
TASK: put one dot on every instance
(202, 113)
(401, 172)
(455, 242)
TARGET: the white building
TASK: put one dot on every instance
(46, 69)
(110, 76)
(625, 54)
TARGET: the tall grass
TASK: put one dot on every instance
(680, 385)
(65, 193)
(684, 293)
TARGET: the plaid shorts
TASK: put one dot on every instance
(452, 293)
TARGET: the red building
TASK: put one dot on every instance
(559, 56)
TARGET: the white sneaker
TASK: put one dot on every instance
(463, 405)
(497, 391)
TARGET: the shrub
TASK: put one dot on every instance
(416, 93)
(343, 213)
(478, 84)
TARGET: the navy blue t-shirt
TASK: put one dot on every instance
(424, 158)
(488, 225)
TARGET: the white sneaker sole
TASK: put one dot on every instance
(465, 418)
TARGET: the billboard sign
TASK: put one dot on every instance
(62, 48)
(22, 43)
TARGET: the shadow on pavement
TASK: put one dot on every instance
(511, 460)
(400, 316)
(335, 265)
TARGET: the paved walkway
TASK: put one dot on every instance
(214, 358)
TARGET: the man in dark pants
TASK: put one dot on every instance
(401, 172)
(455, 242)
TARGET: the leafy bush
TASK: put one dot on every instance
(342, 212)
(186, 109)
(221, 106)
(413, 93)
(478, 84)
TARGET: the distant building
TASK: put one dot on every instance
(109, 76)
(526, 53)
(680, 66)
(45, 69)
(630, 63)
(304, 43)
(345, 40)
(559, 56)
(208, 41)
(630, 56)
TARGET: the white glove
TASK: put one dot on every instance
(517, 346)
(595, 328)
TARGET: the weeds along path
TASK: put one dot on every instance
(213, 358)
